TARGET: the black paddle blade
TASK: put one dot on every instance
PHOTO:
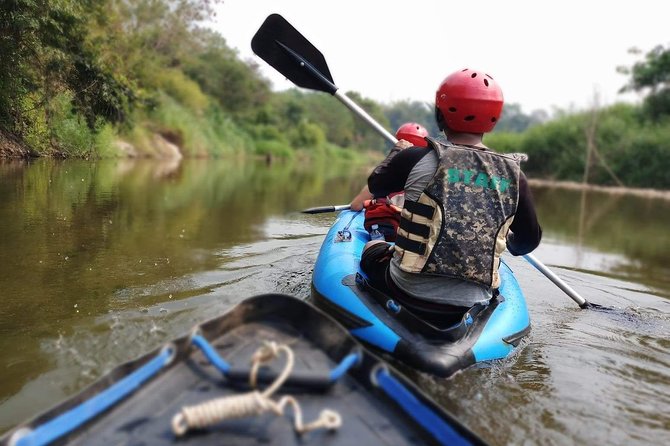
(281, 45)
(323, 209)
(319, 210)
(598, 307)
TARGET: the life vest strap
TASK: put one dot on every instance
(410, 245)
(415, 228)
(420, 209)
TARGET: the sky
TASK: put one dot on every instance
(545, 55)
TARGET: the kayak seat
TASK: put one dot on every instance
(431, 320)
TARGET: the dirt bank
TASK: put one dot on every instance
(157, 146)
(11, 147)
(646, 193)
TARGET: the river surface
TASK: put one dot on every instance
(103, 261)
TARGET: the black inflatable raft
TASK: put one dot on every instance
(344, 394)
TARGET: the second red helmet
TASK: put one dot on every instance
(414, 133)
(469, 101)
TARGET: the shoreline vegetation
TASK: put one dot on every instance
(95, 80)
(167, 151)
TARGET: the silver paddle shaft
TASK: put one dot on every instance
(557, 280)
(351, 105)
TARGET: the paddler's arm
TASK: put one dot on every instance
(391, 174)
(525, 232)
(359, 200)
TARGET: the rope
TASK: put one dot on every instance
(346, 228)
(265, 354)
(254, 403)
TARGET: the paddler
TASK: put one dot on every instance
(382, 213)
(464, 204)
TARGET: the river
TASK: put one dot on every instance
(103, 261)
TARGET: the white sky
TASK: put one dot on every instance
(544, 54)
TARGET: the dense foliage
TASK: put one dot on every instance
(80, 76)
(95, 78)
(653, 75)
(626, 148)
(623, 145)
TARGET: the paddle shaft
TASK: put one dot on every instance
(330, 87)
(365, 116)
(314, 74)
(583, 303)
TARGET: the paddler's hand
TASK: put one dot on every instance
(359, 200)
(403, 144)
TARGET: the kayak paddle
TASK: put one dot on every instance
(283, 47)
(541, 267)
(323, 209)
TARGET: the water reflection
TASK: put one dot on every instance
(80, 240)
(618, 235)
(101, 261)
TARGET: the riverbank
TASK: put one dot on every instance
(10, 147)
(615, 190)
(161, 148)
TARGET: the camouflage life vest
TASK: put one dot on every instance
(458, 226)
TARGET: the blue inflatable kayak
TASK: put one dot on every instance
(485, 333)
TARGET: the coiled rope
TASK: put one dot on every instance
(254, 403)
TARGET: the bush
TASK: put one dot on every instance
(307, 135)
(504, 142)
(645, 159)
(273, 148)
(178, 86)
(213, 134)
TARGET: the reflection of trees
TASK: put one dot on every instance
(633, 226)
(589, 218)
(101, 216)
(76, 235)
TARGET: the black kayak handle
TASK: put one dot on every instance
(306, 380)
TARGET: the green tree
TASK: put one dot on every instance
(335, 120)
(236, 85)
(400, 112)
(651, 75)
(514, 120)
(44, 50)
(364, 136)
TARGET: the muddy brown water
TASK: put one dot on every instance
(103, 261)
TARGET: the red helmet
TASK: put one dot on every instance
(468, 101)
(414, 133)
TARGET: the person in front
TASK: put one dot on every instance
(382, 213)
(464, 204)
